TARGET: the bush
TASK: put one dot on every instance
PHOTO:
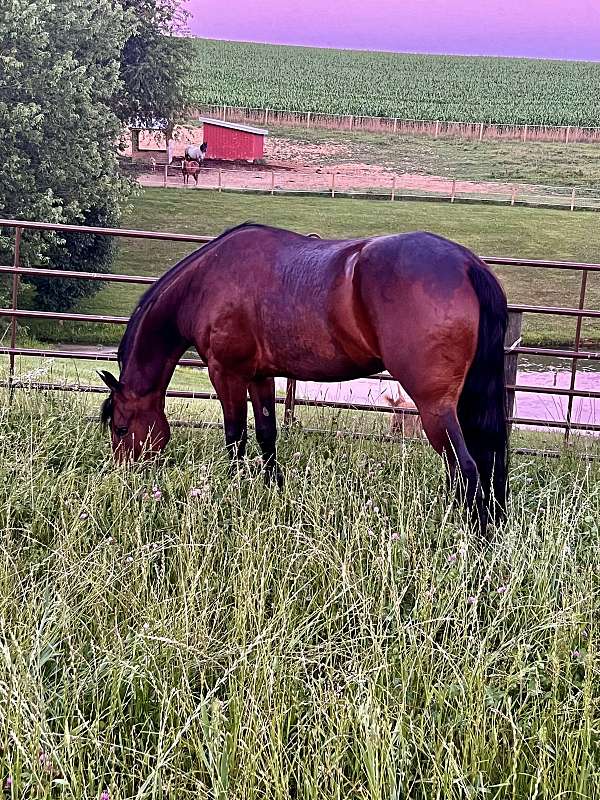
(80, 252)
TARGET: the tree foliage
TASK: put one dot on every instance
(58, 162)
(71, 74)
(154, 62)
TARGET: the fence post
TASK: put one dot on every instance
(513, 197)
(290, 402)
(393, 197)
(453, 195)
(220, 184)
(272, 183)
(511, 341)
(351, 121)
(575, 361)
(16, 281)
(571, 132)
(165, 176)
(573, 200)
(333, 184)
(266, 116)
(481, 131)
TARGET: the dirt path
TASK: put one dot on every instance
(293, 165)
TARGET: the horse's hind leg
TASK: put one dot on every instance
(434, 385)
(232, 392)
(262, 395)
(446, 437)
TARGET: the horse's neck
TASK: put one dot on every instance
(156, 349)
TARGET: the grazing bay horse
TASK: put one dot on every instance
(259, 302)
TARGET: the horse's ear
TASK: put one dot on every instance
(109, 379)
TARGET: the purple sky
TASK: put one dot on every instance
(536, 28)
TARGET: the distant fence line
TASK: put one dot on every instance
(455, 190)
(435, 128)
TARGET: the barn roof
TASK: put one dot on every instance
(236, 126)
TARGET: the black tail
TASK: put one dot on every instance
(482, 404)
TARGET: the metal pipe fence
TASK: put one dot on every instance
(291, 400)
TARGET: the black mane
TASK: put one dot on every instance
(106, 411)
(150, 295)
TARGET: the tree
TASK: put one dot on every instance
(154, 63)
(59, 75)
(72, 74)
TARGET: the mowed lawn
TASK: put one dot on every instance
(489, 231)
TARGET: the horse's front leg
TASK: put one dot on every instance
(262, 394)
(232, 392)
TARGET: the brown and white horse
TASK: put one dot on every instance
(190, 169)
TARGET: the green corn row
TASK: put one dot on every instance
(407, 86)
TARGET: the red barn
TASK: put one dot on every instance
(229, 141)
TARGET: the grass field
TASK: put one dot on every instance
(529, 233)
(551, 163)
(172, 633)
(408, 86)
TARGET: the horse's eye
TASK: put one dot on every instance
(121, 432)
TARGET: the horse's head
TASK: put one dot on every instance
(138, 425)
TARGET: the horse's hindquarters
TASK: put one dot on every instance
(424, 314)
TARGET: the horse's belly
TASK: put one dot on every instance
(330, 374)
(316, 358)
(307, 345)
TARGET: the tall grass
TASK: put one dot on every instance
(170, 632)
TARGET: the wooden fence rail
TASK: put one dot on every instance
(479, 130)
(274, 182)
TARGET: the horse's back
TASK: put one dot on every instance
(280, 291)
(293, 275)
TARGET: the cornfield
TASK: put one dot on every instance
(407, 86)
